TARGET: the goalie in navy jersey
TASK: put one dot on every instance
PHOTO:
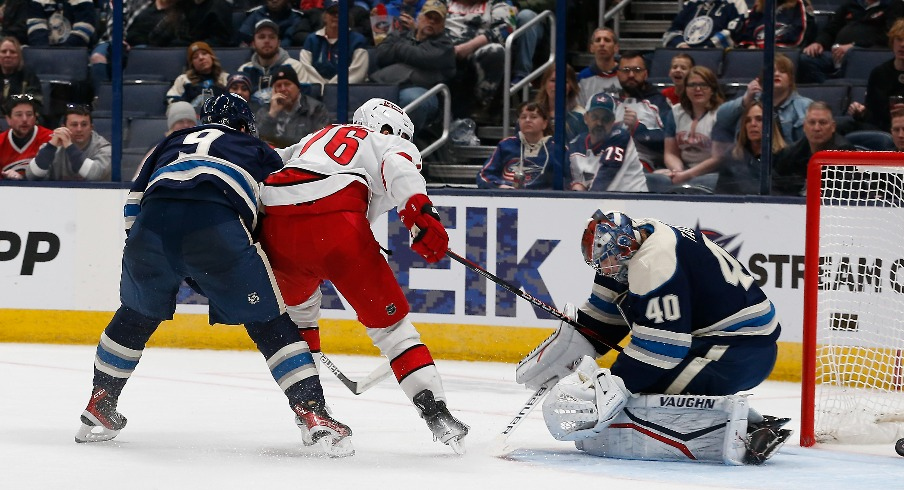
(190, 214)
(698, 325)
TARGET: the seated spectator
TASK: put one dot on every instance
(703, 24)
(860, 23)
(294, 25)
(179, 115)
(789, 176)
(241, 85)
(138, 18)
(602, 75)
(149, 22)
(787, 104)
(604, 158)
(268, 58)
(417, 60)
(14, 19)
(61, 23)
(320, 55)
(290, 115)
(188, 21)
(793, 25)
(20, 143)
(691, 156)
(525, 161)
(203, 79)
(897, 128)
(740, 172)
(642, 109)
(478, 29)
(546, 98)
(75, 151)
(886, 84)
(681, 64)
(16, 77)
(404, 13)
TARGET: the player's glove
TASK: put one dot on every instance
(422, 221)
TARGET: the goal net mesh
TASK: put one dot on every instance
(859, 349)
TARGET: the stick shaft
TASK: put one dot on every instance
(527, 296)
(499, 445)
(357, 387)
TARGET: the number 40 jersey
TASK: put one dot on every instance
(340, 155)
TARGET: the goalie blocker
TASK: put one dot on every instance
(592, 408)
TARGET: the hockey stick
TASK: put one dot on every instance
(357, 387)
(499, 445)
(525, 295)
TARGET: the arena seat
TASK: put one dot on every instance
(145, 99)
(740, 66)
(145, 131)
(859, 62)
(358, 94)
(661, 62)
(57, 63)
(154, 64)
(836, 95)
(232, 58)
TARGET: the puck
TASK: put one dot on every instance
(899, 447)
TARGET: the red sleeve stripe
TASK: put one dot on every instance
(402, 153)
(290, 176)
(411, 360)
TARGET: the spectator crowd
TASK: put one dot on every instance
(623, 131)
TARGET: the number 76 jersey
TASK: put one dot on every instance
(327, 161)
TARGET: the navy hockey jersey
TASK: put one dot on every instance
(684, 293)
(234, 162)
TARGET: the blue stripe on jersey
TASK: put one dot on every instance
(604, 306)
(290, 364)
(188, 165)
(114, 360)
(760, 322)
(661, 347)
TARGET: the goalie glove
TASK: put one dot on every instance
(556, 356)
(422, 220)
(579, 407)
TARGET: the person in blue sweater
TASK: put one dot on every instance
(525, 161)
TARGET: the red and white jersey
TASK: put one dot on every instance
(339, 155)
(16, 158)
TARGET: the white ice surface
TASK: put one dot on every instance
(212, 419)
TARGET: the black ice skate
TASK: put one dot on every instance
(763, 441)
(100, 420)
(446, 428)
(319, 427)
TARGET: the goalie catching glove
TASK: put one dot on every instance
(556, 356)
(422, 220)
(584, 403)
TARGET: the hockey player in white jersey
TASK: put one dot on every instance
(319, 208)
(701, 330)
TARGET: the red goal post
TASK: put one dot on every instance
(853, 332)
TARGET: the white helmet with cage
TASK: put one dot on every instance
(384, 117)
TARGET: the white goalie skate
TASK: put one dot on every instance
(446, 428)
(100, 420)
(319, 428)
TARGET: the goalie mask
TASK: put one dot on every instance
(384, 117)
(609, 242)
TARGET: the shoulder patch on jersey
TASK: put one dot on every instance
(655, 263)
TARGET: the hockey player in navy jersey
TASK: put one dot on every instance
(605, 158)
(190, 214)
(698, 324)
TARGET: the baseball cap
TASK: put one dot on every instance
(286, 73)
(238, 78)
(328, 4)
(602, 100)
(434, 6)
(266, 23)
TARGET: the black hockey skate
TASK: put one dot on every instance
(100, 420)
(765, 438)
(319, 427)
(446, 428)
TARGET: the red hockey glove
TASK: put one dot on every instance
(422, 221)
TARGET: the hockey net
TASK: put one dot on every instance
(853, 357)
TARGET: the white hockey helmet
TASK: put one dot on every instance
(384, 117)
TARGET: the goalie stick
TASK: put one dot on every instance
(527, 296)
(357, 387)
(499, 445)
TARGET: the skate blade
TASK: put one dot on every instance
(94, 433)
(456, 446)
(340, 448)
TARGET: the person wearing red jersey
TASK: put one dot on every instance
(318, 211)
(20, 143)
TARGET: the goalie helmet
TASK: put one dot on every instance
(609, 242)
(230, 110)
(384, 117)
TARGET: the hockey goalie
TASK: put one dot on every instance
(701, 331)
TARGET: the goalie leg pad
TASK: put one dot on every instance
(556, 356)
(676, 428)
